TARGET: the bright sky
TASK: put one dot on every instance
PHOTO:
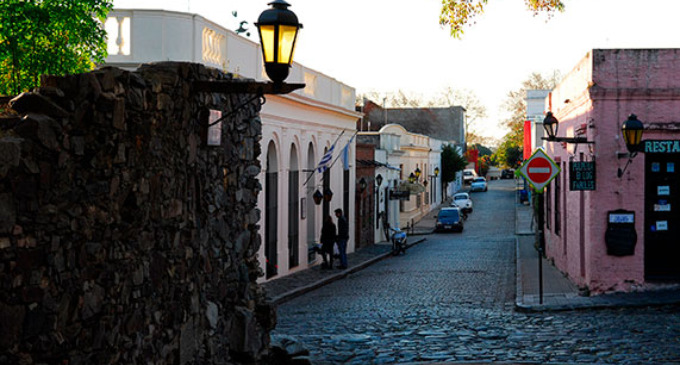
(387, 45)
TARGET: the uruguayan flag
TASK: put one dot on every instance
(325, 160)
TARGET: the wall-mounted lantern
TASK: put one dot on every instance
(551, 125)
(317, 197)
(327, 195)
(362, 185)
(379, 180)
(632, 130)
(436, 171)
(278, 28)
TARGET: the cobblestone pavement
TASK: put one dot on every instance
(451, 299)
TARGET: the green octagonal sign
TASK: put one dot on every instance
(539, 170)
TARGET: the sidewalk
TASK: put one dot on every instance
(290, 286)
(558, 292)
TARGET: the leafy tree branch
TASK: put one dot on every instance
(456, 14)
(49, 37)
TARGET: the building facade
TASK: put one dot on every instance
(298, 128)
(606, 228)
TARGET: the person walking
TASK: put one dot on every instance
(327, 241)
(343, 237)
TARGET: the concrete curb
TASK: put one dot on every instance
(327, 280)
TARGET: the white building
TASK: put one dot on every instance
(535, 114)
(297, 127)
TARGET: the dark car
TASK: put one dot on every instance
(508, 174)
(449, 219)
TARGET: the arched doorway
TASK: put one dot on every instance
(311, 208)
(293, 210)
(271, 215)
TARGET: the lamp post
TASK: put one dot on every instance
(433, 193)
(412, 178)
(418, 172)
(632, 130)
(378, 182)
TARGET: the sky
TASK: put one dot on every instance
(390, 45)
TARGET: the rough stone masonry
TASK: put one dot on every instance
(124, 238)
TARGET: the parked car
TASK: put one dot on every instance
(508, 174)
(478, 184)
(468, 176)
(449, 219)
(462, 201)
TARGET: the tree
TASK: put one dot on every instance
(458, 13)
(510, 150)
(397, 99)
(452, 162)
(474, 110)
(49, 37)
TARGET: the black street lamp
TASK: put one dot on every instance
(378, 181)
(362, 185)
(278, 28)
(418, 172)
(411, 178)
(434, 185)
(551, 125)
(632, 130)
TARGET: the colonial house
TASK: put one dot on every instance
(611, 217)
(298, 128)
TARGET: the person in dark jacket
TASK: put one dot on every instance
(343, 237)
(328, 237)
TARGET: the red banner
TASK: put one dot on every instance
(527, 140)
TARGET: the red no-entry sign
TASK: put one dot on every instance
(539, 170)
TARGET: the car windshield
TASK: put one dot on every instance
(479, 179)
(448, 214)
(460, 197)
(467, 173)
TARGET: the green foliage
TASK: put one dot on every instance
(483, 150)
(458, 13)
(510, 151)
(452, 162)
(49, 37)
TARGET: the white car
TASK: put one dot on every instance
(468, 176)
(478, 184)
(462, 201)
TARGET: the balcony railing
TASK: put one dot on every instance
(142, 36)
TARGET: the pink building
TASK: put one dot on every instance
(592, 216)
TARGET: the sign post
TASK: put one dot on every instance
(539, 170)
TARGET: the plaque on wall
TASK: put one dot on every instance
(620, 236)
(581, 175)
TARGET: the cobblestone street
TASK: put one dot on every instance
(451, 297)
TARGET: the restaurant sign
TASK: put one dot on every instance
(655, 146)
(581, 175)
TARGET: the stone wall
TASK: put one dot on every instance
(124, 238)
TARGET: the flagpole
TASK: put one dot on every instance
(314, 171)
(348, 142)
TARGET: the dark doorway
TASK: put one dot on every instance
(662, 216)
(293, 211)
(271, 216)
